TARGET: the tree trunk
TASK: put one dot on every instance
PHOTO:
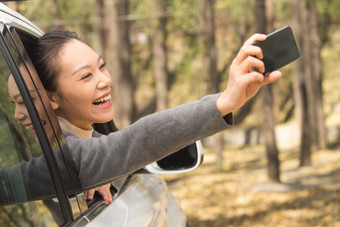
(160, 56)
(102, 28)
(244, 23)
(112, 41)
(270, 15)
(316, 66)
(308, 80)
(203, 45)
(267, 99)
(57, 14)
(122, 80)
(208, 36)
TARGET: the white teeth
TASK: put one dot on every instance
(28, 127)
(102, 99)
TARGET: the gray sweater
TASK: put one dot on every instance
(87, 163)
(106, 158)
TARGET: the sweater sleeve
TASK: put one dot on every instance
(102, 160)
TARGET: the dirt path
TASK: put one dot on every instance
(237, 193)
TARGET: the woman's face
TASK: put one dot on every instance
(83, 95)
(21, 113)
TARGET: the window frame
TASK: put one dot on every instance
(43, 140)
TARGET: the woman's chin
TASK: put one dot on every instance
(103, 118)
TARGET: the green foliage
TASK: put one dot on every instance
(184, 49)
(282, 11)
(184, 16)
(64, 14)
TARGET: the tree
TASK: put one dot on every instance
(307, 78)
(208, 40)
(114, 43)
(160, 56)
(102, 28)
(267, 99)
(120, 53)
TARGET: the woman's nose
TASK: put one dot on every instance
(104, 80)
(18, 114)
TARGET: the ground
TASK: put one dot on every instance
(238, 193)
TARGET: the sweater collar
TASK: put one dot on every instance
(66, 125)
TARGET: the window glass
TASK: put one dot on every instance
(27, 193)
(25, 44)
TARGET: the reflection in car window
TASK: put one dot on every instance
(25, 42)
(23, 170)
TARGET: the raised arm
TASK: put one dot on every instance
(244, 82)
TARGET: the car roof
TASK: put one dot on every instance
(12, 18)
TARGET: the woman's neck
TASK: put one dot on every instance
(66, 125)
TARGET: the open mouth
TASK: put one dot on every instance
(102, 101)
(31, 129)
(30, 126)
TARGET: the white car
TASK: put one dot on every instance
(33, 188)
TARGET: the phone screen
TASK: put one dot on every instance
(278, 49)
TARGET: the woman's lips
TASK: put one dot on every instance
(31, 129)
(103, 102)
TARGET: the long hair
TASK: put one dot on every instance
(46, 59)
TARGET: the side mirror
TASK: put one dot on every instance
(182, 161)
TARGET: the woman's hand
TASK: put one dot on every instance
(244, 82)
(104, 191)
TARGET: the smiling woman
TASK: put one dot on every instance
(78, 86)
(35, 171)
(21, 112)
(82, 85)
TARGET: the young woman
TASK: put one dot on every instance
(79, 87)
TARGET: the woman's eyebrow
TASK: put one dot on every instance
(85, 66)
(19, 94)
(100, 58)
(80, 68)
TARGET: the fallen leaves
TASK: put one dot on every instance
(238, 194)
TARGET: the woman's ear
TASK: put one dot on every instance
(52, 100)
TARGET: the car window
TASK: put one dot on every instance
(23, 170)
(24, 42)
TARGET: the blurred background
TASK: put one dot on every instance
(279, 164)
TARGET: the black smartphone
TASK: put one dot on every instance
(278, 49)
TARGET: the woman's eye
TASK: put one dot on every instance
(102, 65)
(18, 102)
(86, 76)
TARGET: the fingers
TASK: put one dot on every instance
(89, 194)
(250, 50)
(252, 64)
(254, 77)
(254, 38)
(105, 192)
(260, 79)
(244, 82)
(249, 64)
(246, 51)
(272, 77)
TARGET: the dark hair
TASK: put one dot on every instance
(45, 57)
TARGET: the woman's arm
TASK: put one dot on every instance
(104, 159)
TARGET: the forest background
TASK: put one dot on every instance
(165, 53)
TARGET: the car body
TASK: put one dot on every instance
(33, 191)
